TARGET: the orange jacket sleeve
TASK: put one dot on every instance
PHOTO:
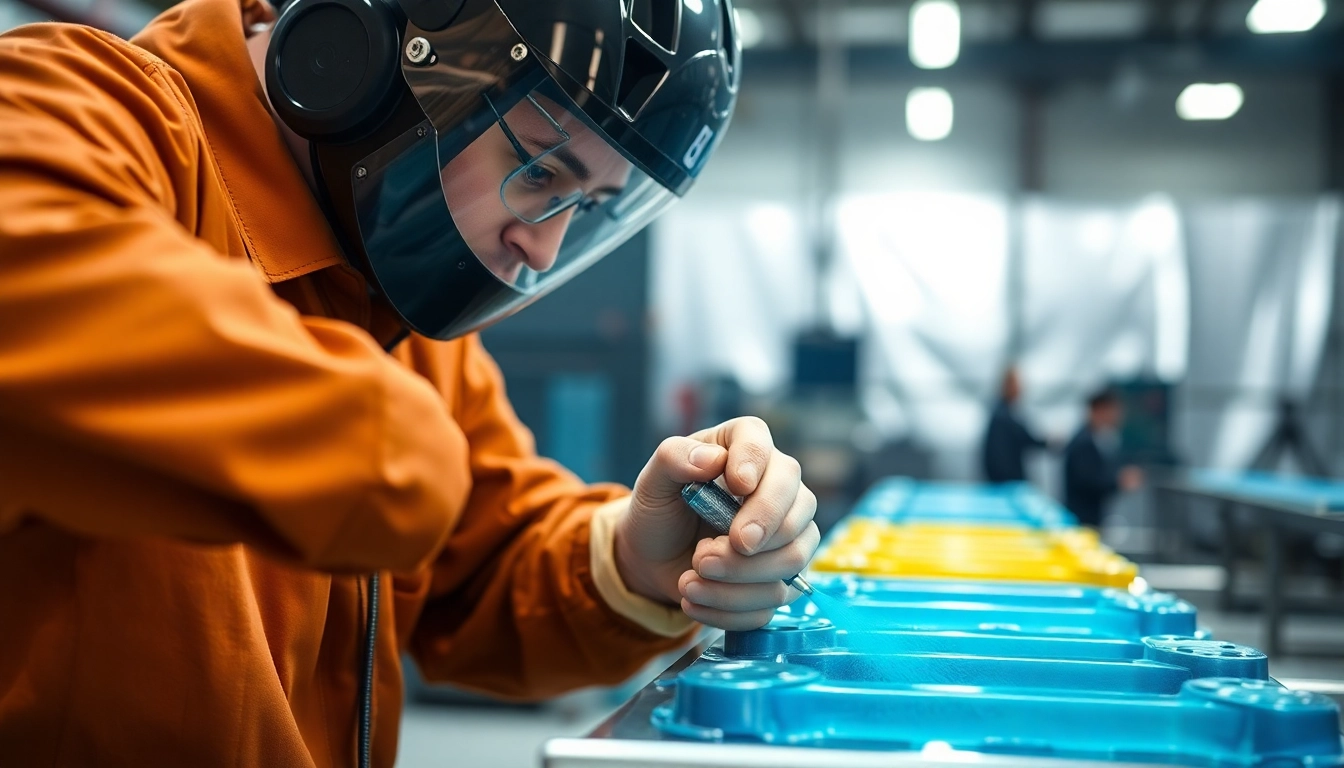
(150, 386)
(514, 583)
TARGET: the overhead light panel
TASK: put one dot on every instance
(1268, 17)
(750, 30)
(935, 33)
(1209, 101)
(929, 113)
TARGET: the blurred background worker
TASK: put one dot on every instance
(1092, 472)
(1007, 439)
(252, 448)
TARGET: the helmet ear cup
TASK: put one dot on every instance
(331, 67)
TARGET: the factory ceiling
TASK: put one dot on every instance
(1043, 40)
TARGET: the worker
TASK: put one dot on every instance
(1007, 439)
(1092, 470)
(252, 451)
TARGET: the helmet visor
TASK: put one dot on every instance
(465, 227)
(561, 192)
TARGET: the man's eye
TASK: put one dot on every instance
(537, 175)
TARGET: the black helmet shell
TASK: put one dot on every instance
(665, 71)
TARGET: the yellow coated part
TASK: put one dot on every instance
(880, 548)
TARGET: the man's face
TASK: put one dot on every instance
(1107, 416)
(1012, 389)
(585, 165)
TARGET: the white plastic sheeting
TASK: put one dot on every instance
(731, 288)
(930, 271)
(1105, 292)
(1262, 275)
(1105, 297)
(1224, 296)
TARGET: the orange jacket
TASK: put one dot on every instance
(203, 451)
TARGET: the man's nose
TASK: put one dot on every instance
(538, 244)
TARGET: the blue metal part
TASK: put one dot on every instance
(793, 634)
(986, 644)
(1204, 722)
(1208, 658)
(784, 634)
(1012, 504)
(1076, 675)
(998, 667)
(1167, 663)
(1004, 607)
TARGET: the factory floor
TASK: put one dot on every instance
(459, 736)
(462, 731)
(437, 736)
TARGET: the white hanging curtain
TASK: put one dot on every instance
(930, 271)
(1106, 296)
(1262, 277)
(732, 286)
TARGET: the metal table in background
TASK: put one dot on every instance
(1274, 516)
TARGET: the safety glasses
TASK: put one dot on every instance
(551, 180)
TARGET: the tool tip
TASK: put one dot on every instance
(802, 585)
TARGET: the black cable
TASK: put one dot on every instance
(366, 691)
(371, 644)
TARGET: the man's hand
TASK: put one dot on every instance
(666, 553)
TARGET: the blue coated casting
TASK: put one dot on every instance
(1206, 722)
(1062, 671)
(875, 604)
(902, 500)
(791, 634)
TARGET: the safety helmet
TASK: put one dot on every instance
(473, 155)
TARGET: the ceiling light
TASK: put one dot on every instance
(935, 33)
(1209, 101)
(928, 113)
(1273, 16)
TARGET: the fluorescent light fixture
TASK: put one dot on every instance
(928, 113)
(935, 33)
(749, 28)
(1269, 17)
(1209, 101)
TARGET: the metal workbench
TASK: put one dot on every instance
(1273, 517)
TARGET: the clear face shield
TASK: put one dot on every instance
(523, 196)
(558, 189)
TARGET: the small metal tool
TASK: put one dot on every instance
(718, 508)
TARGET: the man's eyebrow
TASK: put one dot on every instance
(564, 155)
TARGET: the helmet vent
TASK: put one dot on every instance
(641, 74)
(658, 20)
(729, 44)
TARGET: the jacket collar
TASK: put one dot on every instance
(280, 221)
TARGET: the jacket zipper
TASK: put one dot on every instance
(366, 674)
(370, 623)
